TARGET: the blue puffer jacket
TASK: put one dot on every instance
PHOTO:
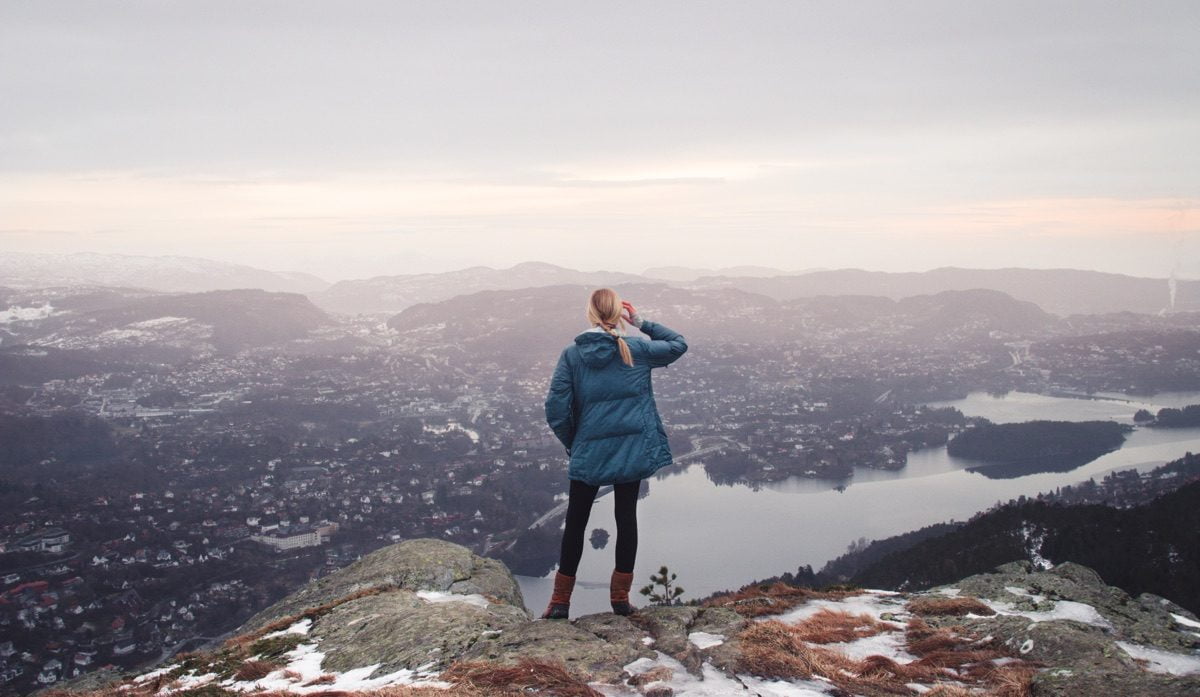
(603, 411)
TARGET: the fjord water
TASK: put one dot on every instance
(720, 537)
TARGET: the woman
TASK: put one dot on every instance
(601, 406)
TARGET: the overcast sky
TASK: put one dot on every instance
(351, 139)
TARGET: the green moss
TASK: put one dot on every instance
(275, 647)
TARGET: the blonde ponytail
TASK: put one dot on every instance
(604, 311)
(626, 356)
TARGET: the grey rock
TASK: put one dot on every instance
(1143, 621)
(611, 628)
(423, 564)
(727, 623)
(1066, 683)
(669, 625)
(583, 651)
(399, 630)
(1081, 659)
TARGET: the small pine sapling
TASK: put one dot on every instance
(670, 592)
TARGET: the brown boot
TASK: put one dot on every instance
(560, 600)
(618, 592)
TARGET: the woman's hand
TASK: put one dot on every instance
(629, 308)
(631, 315)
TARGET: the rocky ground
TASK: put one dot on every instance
(429, 617)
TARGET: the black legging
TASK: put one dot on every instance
(579, 507)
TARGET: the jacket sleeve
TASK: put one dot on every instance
(666, 345)
(560, 413)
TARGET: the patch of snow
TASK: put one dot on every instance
(889, 644)
(644, 665)
(711, 683)
(153, 674)
(443, 597)
(188, 682)
(300, 628)
(648, 640)
(1063, 610)
(704, 640)
(949, 591)
(872, 605)
(1033, 546)
(1185, 621)
(25, 314)
(876, 591)
(304, 665)
(783, 688)
(1163, 661)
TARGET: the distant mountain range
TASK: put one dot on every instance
(501, 322)
(395, 293)
(163, 273)
(685, 274)
(1058, 291)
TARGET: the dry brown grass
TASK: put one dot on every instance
(956, 607)
(830, 626)
(322, 679)
(1012, 680)
(774, 599)
(950, 691)
(773, 649)
(255, 670)
(528, 675)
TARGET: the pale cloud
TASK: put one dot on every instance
(1073, 218)
(359, 224)
(382, 136)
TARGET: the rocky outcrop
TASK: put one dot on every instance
(413, 565)
(426, 612)
(1093, 638)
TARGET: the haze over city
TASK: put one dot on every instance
(387, 138)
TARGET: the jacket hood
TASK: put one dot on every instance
(596, 348)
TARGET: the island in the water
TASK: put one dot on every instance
(1187, 417)
(1019, 449)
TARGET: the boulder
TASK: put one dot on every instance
(415, 565)
(1082, 658)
